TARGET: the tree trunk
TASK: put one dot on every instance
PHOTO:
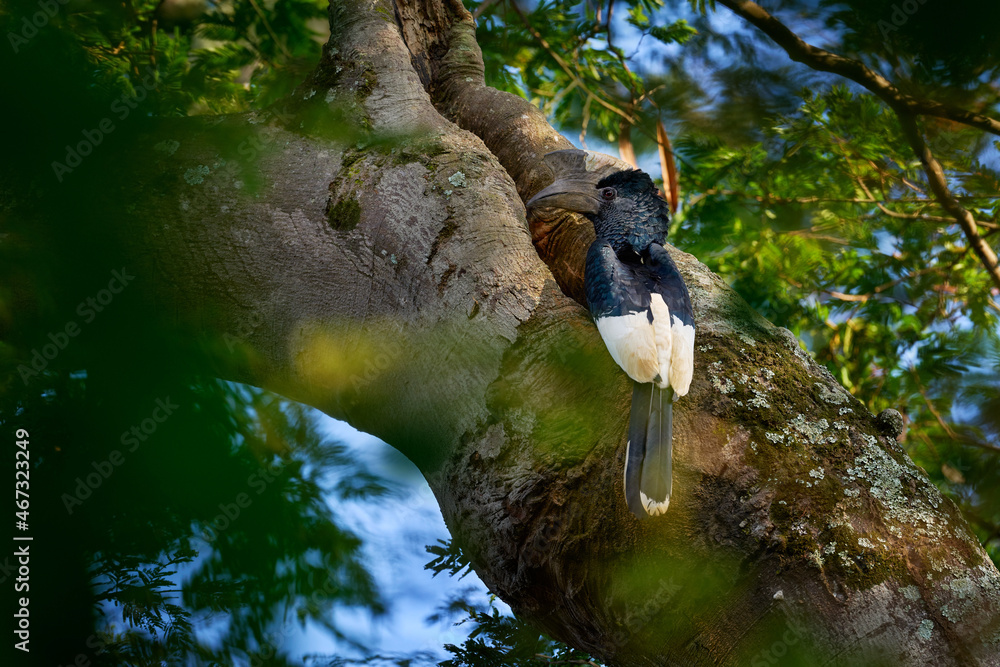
(387, 276)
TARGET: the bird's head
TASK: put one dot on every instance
(622, 202)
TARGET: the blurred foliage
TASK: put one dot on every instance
(796, 187)
(499, 640)
(176, 518)
(210, 539)
(207, 57)
(496, 639)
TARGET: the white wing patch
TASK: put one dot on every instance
(649, 350)
(661, 332)
(632, 345)
(682, 357)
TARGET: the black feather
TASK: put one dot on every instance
(638, 419)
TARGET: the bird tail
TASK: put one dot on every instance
(648, 458)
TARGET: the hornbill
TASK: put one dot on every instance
(639, 302)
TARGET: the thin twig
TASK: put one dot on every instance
(267, 26)
(811, 234)
(840, 296)
(941, 270)
(958, 437)
(769, 199)
(913, 216)
(561, 94)
(483, 6)
(566, 68)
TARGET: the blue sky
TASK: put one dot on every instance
(396, 532)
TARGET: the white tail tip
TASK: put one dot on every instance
(654, 508)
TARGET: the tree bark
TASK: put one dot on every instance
(384, 272)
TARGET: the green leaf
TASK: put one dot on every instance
(637, 17)
(675, 33)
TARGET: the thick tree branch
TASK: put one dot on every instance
(514, 130)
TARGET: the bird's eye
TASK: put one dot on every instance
(607, 194)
